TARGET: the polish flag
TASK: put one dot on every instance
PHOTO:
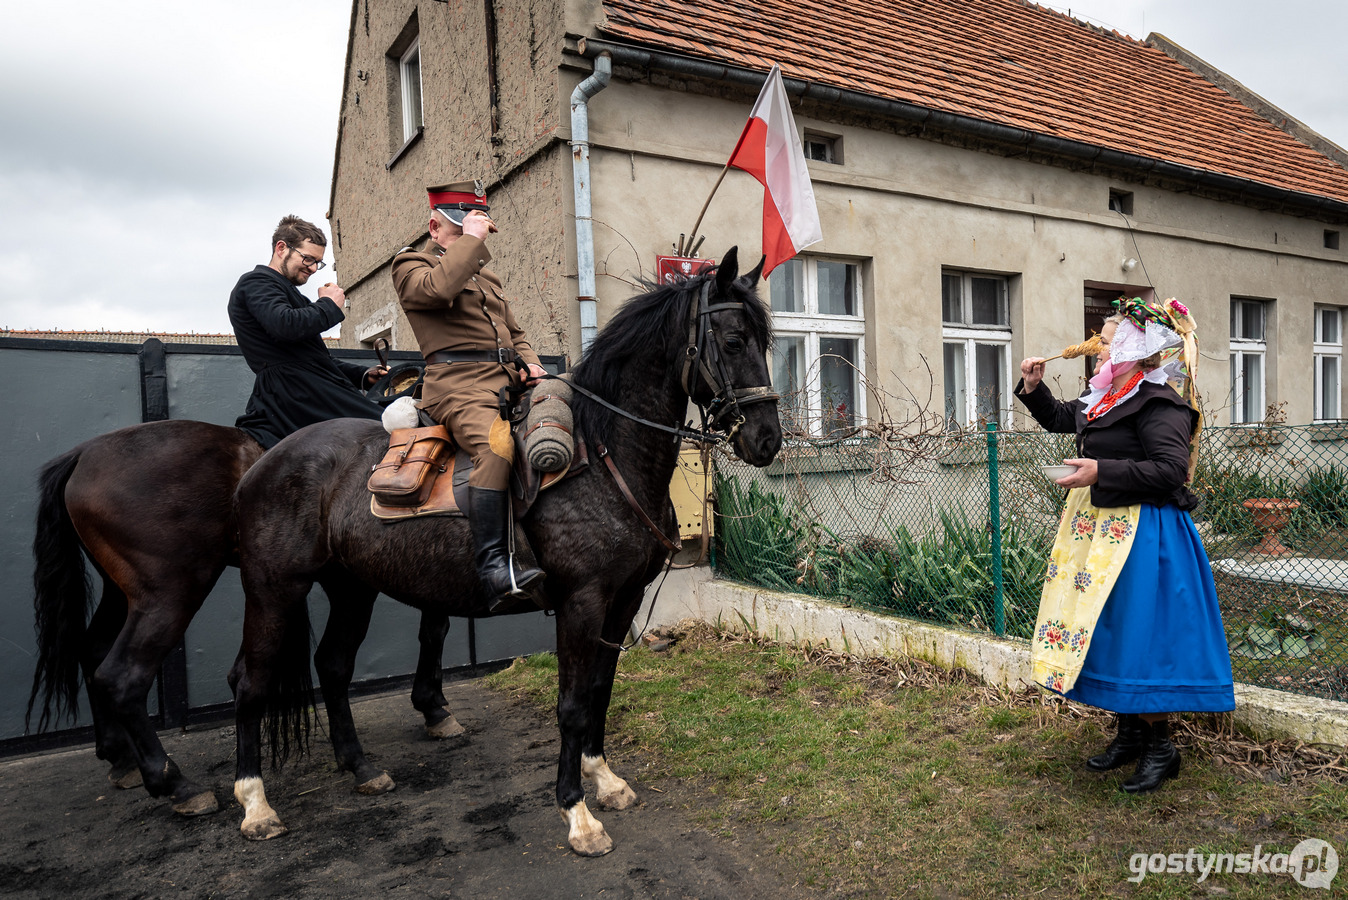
(769, 149)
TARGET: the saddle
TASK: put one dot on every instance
(424, 473)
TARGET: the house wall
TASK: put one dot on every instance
(902, 207)
(379, 198)
(905, 208)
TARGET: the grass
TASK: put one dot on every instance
(879, 779)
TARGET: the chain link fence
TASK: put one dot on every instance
(903, 526)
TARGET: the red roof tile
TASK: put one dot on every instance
(1003, 61)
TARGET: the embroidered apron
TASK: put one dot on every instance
(1089, 552)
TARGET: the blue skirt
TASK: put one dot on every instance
(1159, 645)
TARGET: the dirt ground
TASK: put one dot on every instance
(472, 816)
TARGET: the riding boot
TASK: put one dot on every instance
(488, 519)
(1160, 760)
(1126, 746)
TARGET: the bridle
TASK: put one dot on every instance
(702, 355)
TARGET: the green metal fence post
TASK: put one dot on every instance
(995, 520)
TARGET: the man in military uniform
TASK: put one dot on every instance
(471, 342)
(280, 333)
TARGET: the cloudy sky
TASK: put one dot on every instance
(148, 148)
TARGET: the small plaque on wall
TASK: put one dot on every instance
(669, 269)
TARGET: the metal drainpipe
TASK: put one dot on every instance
(580, 170)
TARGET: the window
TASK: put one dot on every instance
(409, 69)
(976, 347)
(818, 353)
(1248, 348)
(823, 147)
(1328, 361)
(1121, 202)
(1331, 239)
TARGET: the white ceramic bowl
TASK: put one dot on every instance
(1053, 473)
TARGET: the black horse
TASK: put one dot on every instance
(151, 507)
(304, 517)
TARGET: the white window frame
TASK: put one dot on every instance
(1323, 350)
(970, 336)
(1242, 347)
(413, 118)
(813, 325)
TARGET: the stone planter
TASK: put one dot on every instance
(1270, 516)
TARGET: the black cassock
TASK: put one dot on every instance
(298, 381)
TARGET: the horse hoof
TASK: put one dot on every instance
(447, 727)
(125, 778)
(592, 844)
(380, 784)
(619, 799)
(202, 804)
(264, 829)
(585, 833)
(611, 791)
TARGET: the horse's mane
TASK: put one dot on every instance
(651, 328)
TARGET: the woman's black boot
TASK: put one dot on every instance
(1160, 760)
(1126, 746)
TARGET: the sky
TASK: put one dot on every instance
(148, 149)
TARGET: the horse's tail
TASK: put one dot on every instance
(61, 597)
(290, 701)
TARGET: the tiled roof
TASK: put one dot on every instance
(1003, 61)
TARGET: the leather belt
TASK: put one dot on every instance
(503, 355)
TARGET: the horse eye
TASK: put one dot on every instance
(734, 345)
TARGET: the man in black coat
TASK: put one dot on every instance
(280, 333)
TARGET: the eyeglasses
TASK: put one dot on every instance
(308, 260)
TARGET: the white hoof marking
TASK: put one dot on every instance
(610, 790)
(586, 834)
(260, 821)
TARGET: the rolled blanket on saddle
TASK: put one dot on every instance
(548, 444)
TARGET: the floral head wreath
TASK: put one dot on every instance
(1150, 328)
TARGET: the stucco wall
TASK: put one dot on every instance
(905, 208)
(378, 208)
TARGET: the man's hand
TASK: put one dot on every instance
(333, 293)
(374, 373)
(535, 376)
(1032, 371)
(478, 224)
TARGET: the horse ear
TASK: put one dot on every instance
(752, 276)
(728, 270)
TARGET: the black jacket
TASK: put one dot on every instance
(298, 382)
(1141, 446)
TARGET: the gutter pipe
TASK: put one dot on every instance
(1030, 141)
(580, 174)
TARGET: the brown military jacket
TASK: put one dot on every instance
(453, 303)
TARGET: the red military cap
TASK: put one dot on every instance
(455, 200)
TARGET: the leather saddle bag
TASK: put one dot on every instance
(405, 475)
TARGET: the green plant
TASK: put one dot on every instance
(1281, 634)
(1325, 491)
(760, 540)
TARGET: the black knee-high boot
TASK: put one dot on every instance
(1160, 760)
(1126, 746)
(488, 519)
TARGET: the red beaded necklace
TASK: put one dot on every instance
(1112, 397)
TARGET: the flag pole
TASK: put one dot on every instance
(714, 188)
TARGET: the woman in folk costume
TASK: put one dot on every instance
(1129, 619)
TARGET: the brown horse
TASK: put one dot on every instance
(151, 506)
(304, 517)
